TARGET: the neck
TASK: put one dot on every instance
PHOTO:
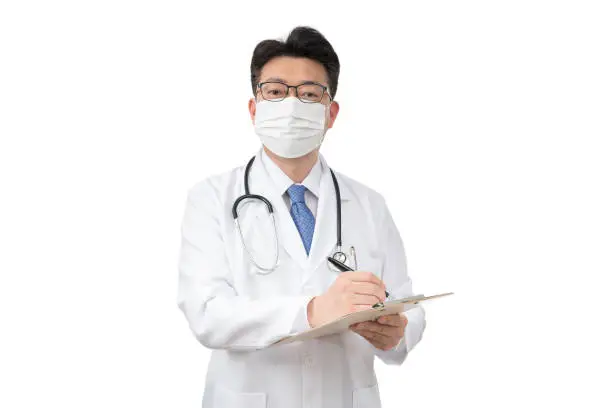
(296, 169)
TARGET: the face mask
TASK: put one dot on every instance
(290, 128)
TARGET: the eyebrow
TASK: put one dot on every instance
(277, 79)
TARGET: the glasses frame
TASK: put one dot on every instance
(325, 90)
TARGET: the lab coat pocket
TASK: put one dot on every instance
(225, 398)
(367, 397)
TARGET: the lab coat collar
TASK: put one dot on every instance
(346, 193)
(312, 182)
(283, 182)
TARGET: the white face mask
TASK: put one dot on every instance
(290, 128)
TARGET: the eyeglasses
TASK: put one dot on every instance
(308, 92)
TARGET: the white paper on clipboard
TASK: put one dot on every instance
(378, 310)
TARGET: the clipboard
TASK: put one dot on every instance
(344, 322)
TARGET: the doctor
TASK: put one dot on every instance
(254, 269)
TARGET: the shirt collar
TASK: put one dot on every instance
(282, 182)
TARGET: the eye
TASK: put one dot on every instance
(273, 90)
(311, 92)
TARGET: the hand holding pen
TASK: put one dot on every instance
(350, 292)
(386, 332)
(345, 268)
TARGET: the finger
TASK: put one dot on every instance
(361, 276)
(379, 345)
(373, 328)
(377, 340)
(368, 288)
(383, 343)
(368, 300)
(377, 337)
(359, 308)
(395, 320)
(387, 331)
(391, 331)
(386, 347)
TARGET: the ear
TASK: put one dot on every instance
(334, 108)
(252, 109)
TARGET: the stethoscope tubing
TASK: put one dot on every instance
(248, 195)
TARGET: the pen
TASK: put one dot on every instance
(354, 257)
(345, 268)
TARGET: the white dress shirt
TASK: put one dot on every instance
(283, 182)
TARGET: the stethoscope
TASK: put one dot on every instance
(338, 254)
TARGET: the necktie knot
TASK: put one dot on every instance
(296, 193)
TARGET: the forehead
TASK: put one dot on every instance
(293, 70)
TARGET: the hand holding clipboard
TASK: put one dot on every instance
(378, 310)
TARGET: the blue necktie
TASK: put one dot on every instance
(302, 216)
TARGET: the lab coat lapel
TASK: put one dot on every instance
(288, 235)
(324, 238)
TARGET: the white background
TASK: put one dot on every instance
(485, 124)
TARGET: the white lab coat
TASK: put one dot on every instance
(238, 312)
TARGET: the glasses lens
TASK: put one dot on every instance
(273, 91)
(310, 93)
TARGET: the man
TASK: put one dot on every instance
(239, 301)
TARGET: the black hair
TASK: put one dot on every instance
(302, 42)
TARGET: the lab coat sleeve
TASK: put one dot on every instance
(219, 317)
(398, 283)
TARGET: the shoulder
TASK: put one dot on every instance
(359, 190)
(215, 186)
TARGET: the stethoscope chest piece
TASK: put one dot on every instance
(339, 256)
